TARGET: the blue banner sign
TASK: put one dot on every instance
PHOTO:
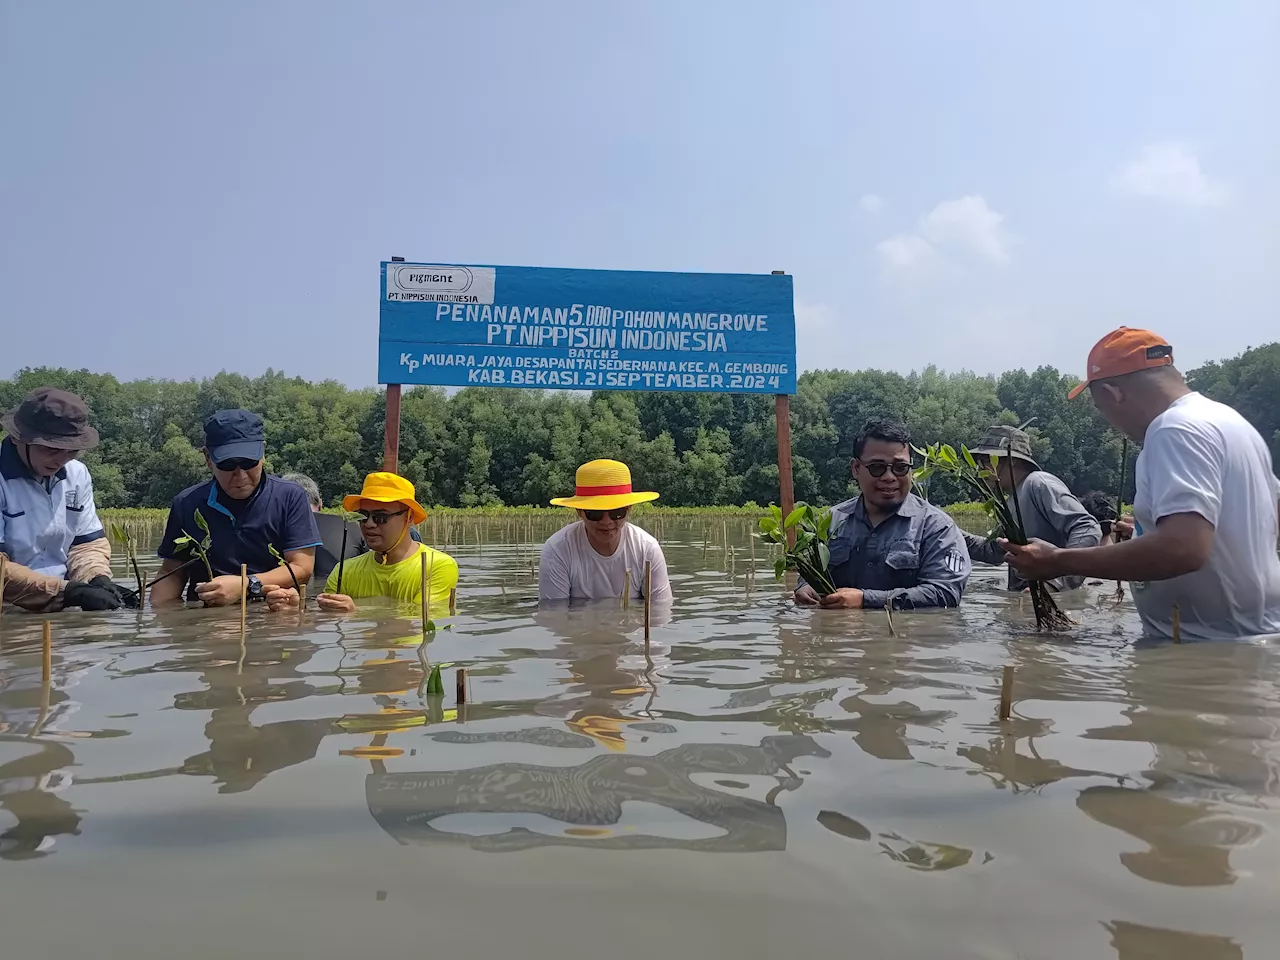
(549, 328)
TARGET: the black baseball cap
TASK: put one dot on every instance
(234, 434)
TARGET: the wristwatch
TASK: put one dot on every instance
(255, 589)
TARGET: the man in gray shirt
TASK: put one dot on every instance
(887, 544)
(1049, 510)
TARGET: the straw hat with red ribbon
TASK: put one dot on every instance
(603, 485)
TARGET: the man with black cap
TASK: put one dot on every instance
(56, 552)
(1049, 510)
(249, 514)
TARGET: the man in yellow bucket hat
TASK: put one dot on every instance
(590, 559)
(392, 567)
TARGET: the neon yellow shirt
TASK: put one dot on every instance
(364, 577)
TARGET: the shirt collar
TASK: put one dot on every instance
(12, 467)
(909, 507)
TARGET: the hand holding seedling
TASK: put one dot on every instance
(281, 598)
(336, 603)
(1036, 560)
(806, 596)
(846, 598)
(220, 591)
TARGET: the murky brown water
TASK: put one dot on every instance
(780, 783)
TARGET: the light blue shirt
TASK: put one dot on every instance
(41, 520)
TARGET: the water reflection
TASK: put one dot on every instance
(872, 761)
(514, 806)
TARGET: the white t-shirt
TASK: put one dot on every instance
(571, 568)
(1201, 456)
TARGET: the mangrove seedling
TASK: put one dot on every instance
(980, 480)
(131, 551)
(302, 597)
(809, 557)
(188, 543)
(435, 685)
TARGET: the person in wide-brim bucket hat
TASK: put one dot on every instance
(1004, 441)
(603, 555)
(49, 417)
(603, 485)
(387, 488)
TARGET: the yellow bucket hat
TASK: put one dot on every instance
(386, 488)
(603, 485)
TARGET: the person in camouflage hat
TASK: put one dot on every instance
(1050, 511)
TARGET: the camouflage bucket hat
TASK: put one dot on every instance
(1000, 441)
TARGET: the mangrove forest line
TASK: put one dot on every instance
(486, 446)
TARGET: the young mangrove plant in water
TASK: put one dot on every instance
(982, 482)
(810, 557)
(200, 547)
(131, 552)
(302, 597)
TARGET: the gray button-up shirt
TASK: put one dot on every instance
(1049, 512)
(917, 556)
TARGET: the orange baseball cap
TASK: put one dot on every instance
(1124, 350)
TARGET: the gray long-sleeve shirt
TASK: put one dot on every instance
(917, 556)
(1050, 512)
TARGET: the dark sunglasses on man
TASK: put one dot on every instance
(379, 518)
(595, 516)
(236, 463)
(877, 468)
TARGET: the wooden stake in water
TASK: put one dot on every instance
(46, 666)
(1175, 621)
(244, 597)
(626, 591)
(342, 555)
(648, 590)
(888, 612)
(462, 684)
(422, 593)
(453, 601)
(1006, 693)
(3, 574)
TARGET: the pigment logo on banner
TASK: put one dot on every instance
(452, 325)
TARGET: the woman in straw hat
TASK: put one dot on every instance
(590, 559)
(392, 568)
(56, 550)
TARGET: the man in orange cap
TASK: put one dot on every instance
(392, 567)
(1206, 505)
(590, 559)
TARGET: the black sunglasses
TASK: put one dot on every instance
(236, 463)
(877, 468)
(595, 515)
(379, 517)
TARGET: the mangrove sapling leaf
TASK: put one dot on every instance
(435, 685)
(981, 480)
(809, 556)
(199, 547)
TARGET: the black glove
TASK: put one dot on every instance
(90, 596)
(127, 597)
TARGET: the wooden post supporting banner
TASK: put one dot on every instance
(786, 491)
(782, 411)
(391, 433)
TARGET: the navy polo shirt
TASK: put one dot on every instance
(278, 514)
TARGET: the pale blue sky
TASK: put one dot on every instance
(187, 187)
